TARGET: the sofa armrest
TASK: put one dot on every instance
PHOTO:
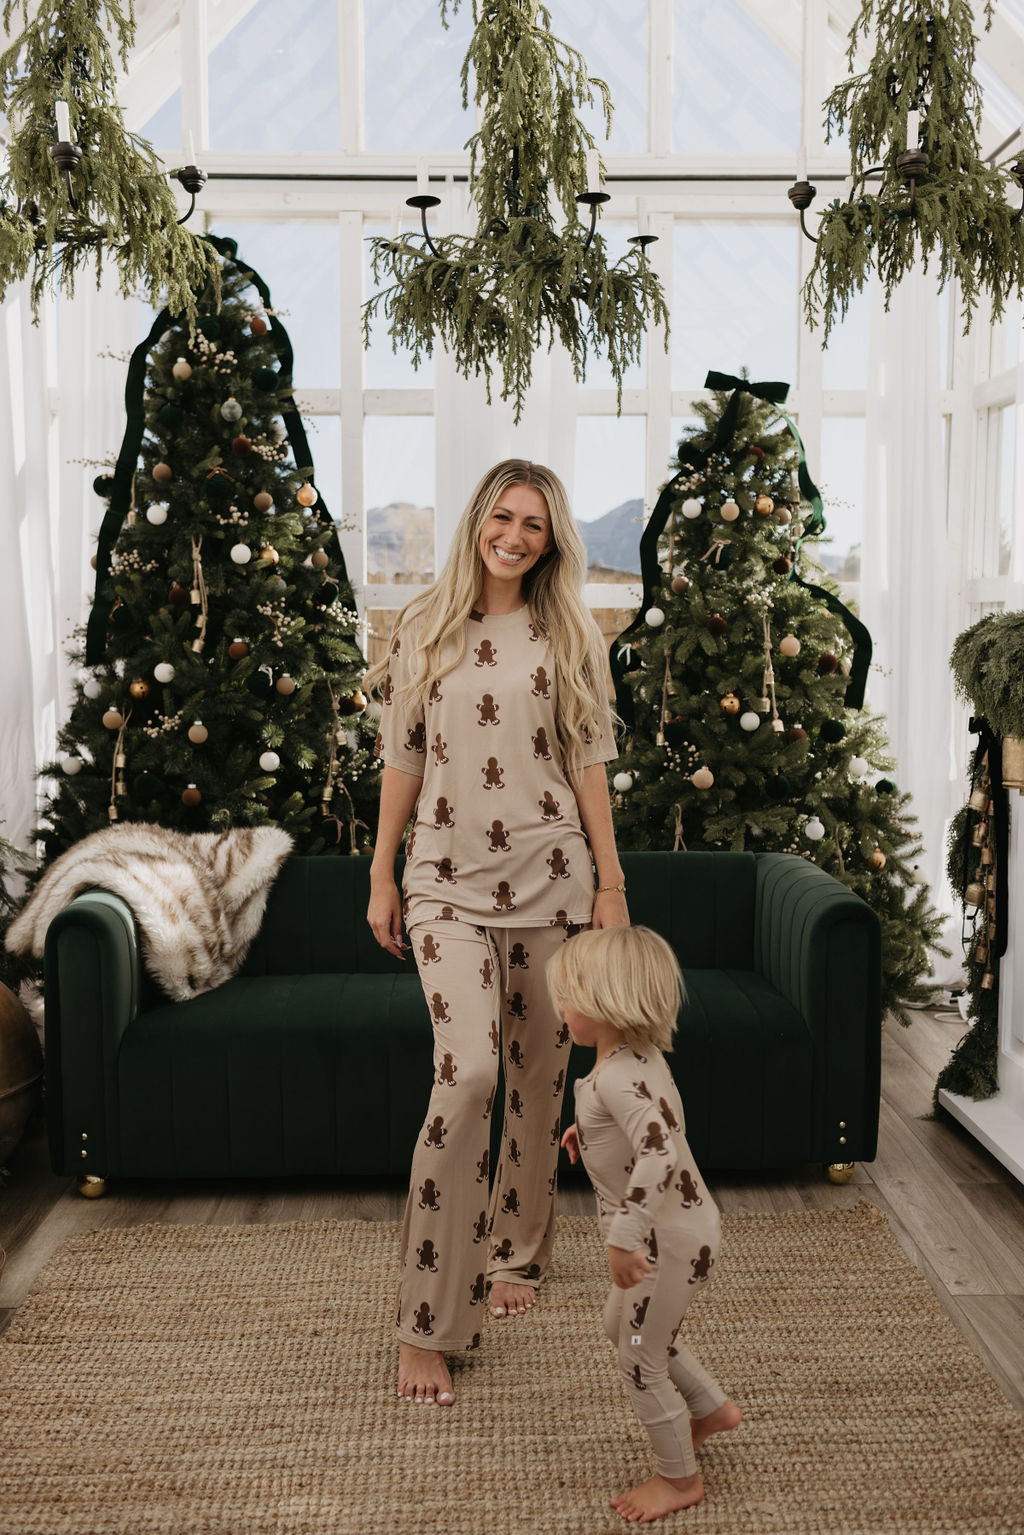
(820, 945)
(93, 977)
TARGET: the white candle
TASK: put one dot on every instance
(593, 171)
(422, 187)
(642, 217)
(190, 148)
(801, 164)
(63, 121)
(913, 128)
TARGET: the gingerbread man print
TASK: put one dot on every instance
(651, 1243)
(558, 864)
(446, 872)
(701, 1266)
(639, 1312)
(378, 745)
(540, 682)
(688, 1188)
(417, 739)
(515, 1055)
(435, 693)
(517, 957)
(490, 1096)
(540, 744)
(504, 897)
(478, 1290)
(430, 1194)
(494, 1036)
(483, 1167)
(533, 632)
(439, 1009)
(446, 914)
(389, 689)
(515, 1103)
(643, 1091)
(488, 710)
(517, 1006)
(563, 1036)
(436, 1133)
(439, 747)
(667, 1115)
(443, 815)
(447, 1069)
(559, 1082)
(430, 949)
(424, 1317)
(511, 1205)
(635, 1379)
(637, 1196)
(487, 973)
(549, 810)
(485, 653)
(492, 774)
(513, 1152)
(498, 837)
(504, 1251)
(428, 1257)
(655, 1139)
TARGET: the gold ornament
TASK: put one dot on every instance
(987, 856)
(113, 719)
(197, 732)
(306, 495)
(162, 472)
(269, 554)
(978, 801)
(877, 859)
(988, 980)
(319, 558)
(764, 505)
(139, 688)
(285, 684)
(729, 703)
(262, 501)
(979, 836)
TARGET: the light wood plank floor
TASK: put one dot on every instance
(957, 1213)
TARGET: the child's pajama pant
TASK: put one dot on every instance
(667, 1386)
(483, 986)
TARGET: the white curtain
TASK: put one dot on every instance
(905, 580)
(58, 404)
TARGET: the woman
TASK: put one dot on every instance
(495, 729)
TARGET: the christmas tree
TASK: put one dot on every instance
(221, 672)
(741, 680)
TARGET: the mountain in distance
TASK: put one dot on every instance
(614, 539)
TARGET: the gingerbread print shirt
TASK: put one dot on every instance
(497, 839)
(632, 1137)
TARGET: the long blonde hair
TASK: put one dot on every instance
(626, 976)
(553, 591)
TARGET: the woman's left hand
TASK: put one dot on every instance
(610, 910)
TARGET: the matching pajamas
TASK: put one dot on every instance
(498, 873)
(632, 1138)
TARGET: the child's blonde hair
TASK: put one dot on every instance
(626, 976)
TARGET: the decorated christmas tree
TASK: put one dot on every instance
(742, 683)
(221, 671)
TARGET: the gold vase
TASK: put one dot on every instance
(1013, 762)
(21, 1070)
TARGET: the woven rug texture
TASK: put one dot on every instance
(240, 1380)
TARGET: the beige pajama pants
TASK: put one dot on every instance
(485, 988)
(666, 1384)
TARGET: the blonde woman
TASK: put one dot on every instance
(495, 729)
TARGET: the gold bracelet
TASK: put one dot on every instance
(620, 888)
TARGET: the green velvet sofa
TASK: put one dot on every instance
(316, 1058)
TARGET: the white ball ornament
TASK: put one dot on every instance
(92, 688)
(703, 778)
(163, 671)
(654, 618)
(814, 830)
(241, 554)
(182, 369)
(231, 410)
(623, 782)
(197, 732)
(789, 645)
(71, 765)
(859, 766)
(157, 515)
(729, 511)
(270, 762)
(691, 508)
(749, 720)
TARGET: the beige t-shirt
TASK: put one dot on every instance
(497, 839)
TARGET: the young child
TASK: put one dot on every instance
(619, 989)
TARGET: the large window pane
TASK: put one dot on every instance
(737, 84)
(323, 433)
(841, 482)
(845, 362)
(608, 495)
(400, 499)
(613, 40)
(274, 82)
(386, 368)
(412, 92)
(599, 373)
(299, 263)
(734, 301)
(163, 129)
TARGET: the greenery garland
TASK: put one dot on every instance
(491, 298)
(961, 212)
(988, 669)
(128, 212)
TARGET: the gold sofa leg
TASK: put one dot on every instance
(92, 1187)
(840, 1172)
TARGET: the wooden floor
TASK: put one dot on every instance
(955, 1210)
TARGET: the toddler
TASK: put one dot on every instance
(618, 989)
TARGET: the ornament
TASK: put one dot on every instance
(974, 895)
(219, 486)
(680, 584)
(113, 719)
(161, 472)
(139, 688)
(257, 326)
(654, 618)
(778, 726)
(789, 645)
(319, 558)
(306, 495)
(756, 452)
(241, 444)
(237, 649)
(846, 666)
(691, 508)
(778, 786)
(783, 515)
(277, 586)
(263, 501)
(270, 762)
(832, 731)
(354, 703)
(170, 415)
(623, 782)
(877, 859)
(163, 671)
(814, 830)
(157, 515)
(177, 596)
(326, 594)
(285, 685)
(827, 664)
(103, 484)
(859, 766)
(729, 703)
(716, 624)
(191, 795)
(241, 554)
(182, 369)
(209, 326)
(783, 565)
(231, 410)
(92, 561)
(979, 800)
(269, 554)
(729, 511)
(764, 505)
(749, 720)
(265, 379)
(197, 732)
(260, 682)
(92, 688)
(703, 778)
(885, 786)
(71, 765)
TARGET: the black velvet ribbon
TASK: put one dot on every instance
(127, 458)
(695, 460)
(989, 742)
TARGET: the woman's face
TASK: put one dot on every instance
(516, 535)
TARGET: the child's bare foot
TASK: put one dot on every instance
(659, 1495)
(423, 1376)
(510, 1299)
(718, 1422)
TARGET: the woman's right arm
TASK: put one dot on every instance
(398, 795)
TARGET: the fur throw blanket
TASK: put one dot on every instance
(198, 898)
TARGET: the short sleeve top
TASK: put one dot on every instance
(497, 839)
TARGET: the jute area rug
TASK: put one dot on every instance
(206, 1380)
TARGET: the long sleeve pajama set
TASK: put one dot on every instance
(632, 1137)
(498, 874)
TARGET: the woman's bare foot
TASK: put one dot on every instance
(659, 1495)
(423, 1376)
(510, 1299)
(718, 1422)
